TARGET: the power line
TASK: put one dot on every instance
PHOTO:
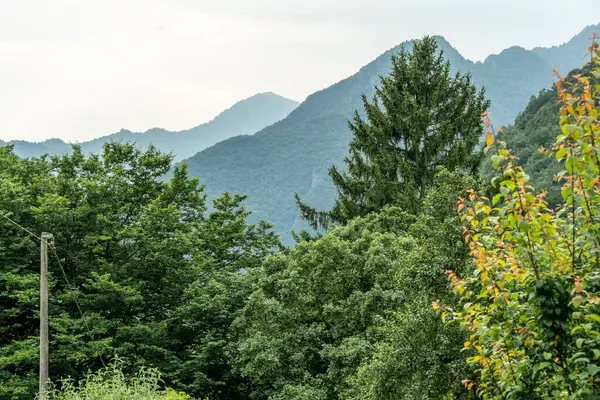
(22, 227)
(75, 299)
(64, 274)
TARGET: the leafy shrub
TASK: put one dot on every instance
(532, 305)
(111, 384)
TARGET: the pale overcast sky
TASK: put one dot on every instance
(79, 69)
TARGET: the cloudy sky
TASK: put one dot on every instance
(79, 69)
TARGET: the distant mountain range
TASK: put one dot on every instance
(243, 118)
(296, 144)
(293, 155)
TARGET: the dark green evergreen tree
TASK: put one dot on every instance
(420, 119)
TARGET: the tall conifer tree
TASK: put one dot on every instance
(421, 118)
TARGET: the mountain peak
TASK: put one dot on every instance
(441, 40)
(253, 108)
(570, 54)
(345, 94)
(294, 155)
(267, 95)
(258, 99)
(586, 33)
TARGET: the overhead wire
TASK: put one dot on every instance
(64, 274)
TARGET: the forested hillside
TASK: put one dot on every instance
(243, 118)
(293, 155)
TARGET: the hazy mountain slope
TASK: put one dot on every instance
(34, 149)
(243, 118)
(570, 55)
(294, 154)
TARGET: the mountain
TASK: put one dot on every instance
(294, 154)
(243, 118)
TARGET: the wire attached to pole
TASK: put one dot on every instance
(64, 274)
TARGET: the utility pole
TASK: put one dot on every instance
(44, 314)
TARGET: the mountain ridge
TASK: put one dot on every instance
(244, 117)
(294, 154)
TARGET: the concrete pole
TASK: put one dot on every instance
(44, 315)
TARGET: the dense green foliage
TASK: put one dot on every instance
(243, 118)
(349, 315)
(134, 249)
(421, 119)
(294, 155)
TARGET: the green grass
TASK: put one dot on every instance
(112, 384)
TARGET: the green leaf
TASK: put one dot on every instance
(524, 226)
(509, 184)
(593, 317)
(582, 360)
(540, 366)
(577, 328)
(496, 160)
(569, 164)
(497, 198)
(572, 130)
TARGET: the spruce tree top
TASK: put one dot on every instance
(421, 118)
